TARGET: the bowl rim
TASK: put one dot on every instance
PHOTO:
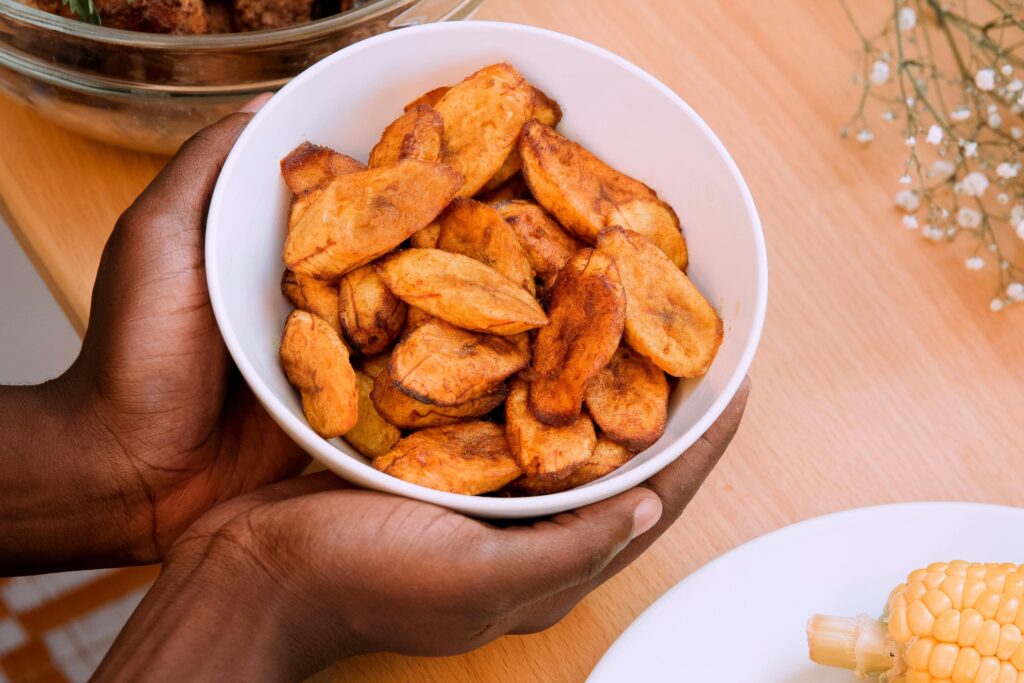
(492, 507)
(214, 41)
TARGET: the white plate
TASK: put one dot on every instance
(742, 616)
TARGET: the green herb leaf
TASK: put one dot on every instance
(84, 10)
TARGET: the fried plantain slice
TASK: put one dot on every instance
(544, 452)
(608, 456)
(667, 318)
(372, 435)
(445, 366)
(461, 291)
(587, 307)
(314, 296)
(374, 365)
(316, 363)
(404, 411)
(429, 98)
(360, 216)
(310, 166)
(483, 116)
(468, 458)
(371, 316)
(629, 399)
(546, 244)
(415, 317)
(545, 110)
(478, 231)
(416, 134)
(585, 194)
(426, 238)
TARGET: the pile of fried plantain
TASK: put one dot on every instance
(486, 306)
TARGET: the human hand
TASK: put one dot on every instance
(157, 425)
(301, 573)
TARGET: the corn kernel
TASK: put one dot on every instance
(953, 586)
(899, 629)
(996, 579)
(977, 570)
(933, 579)
(916, 575)
(1007, 673)
(1008, 607)
(947, 627)
(967, 662)
(920, 653)
(1018, 658)
(936, 601)
(988, 639)
(1014, 583)
(915, 590)
(941, 661)
(938, 567)
(987, 604)
(919, 618)
(957, 568)
(1009, 641)
(970, 626)
(973, 588)
(919, 677)
(988, 670)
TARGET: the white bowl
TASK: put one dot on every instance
(613, 108)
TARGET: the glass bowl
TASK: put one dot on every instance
(149, 91)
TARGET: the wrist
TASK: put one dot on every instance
(214, 600)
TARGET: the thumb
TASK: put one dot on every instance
(573, 548)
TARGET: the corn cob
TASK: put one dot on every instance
(953, 622)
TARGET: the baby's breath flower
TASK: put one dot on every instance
(1019, 229)
(996, 305)
(970, 149)
(1015, 290)
(975, 263)
(905, 179)
(961, 113)
(1016, 133)
(932, 233)
(934, 135)
(1003, 198)
(907, 200)
(995, 120)
(888, 115)
(1005, 170)
(1016, 214)
(865, 136)
(985, 79)
(1006, 69)
(975, 183)
(1016, 85)
(907, 18)
(942, 168)
(911, 141)
(967, 217)
(879, 72)
(910, 222)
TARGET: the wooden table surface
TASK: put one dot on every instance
(882, 376)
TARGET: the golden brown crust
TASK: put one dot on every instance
(371, 316)
(416, 134)
(180, 17)
(429, 98)
(483, 116)
(544, 452)
(445, 366)
(586, 195)
(360, 216)
(478, 231)
(548, 247)
(628, 400)
(316, 363)
(608, 456)
(587, 309)
(313, 296)
(461, 291)
(468, 458)
(513, 188)
(667, 318)
(406, 412)
(310, 166)
(372, 435)
(256, 15)
(545, 110)
(426, 238)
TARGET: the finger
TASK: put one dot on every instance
(572, 548)
(675, 486)
(181, 192)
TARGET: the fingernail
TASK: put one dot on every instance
(645, 516)
(256, 103)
